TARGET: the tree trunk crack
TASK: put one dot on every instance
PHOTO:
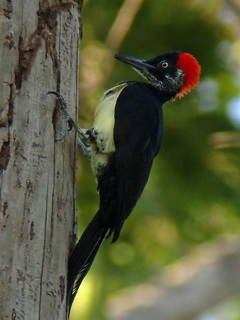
(43, 256)
(4, 155)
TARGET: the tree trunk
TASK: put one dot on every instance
(39, 52)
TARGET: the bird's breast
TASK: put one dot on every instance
(104, 121)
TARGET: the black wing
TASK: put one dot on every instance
(137, 137)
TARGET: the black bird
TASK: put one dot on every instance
(126, 136)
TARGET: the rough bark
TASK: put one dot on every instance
(200, 281)
(39, 52)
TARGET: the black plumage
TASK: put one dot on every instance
(120, 185)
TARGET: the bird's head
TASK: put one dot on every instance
(173, 73)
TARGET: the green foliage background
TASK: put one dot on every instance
(193, 193)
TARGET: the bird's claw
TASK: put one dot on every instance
(71, 124)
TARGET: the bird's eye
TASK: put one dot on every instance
(164, 64)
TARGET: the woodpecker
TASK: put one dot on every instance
(125, 137)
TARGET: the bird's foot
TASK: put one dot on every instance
(83, 136)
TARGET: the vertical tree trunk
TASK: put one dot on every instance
(39, 52)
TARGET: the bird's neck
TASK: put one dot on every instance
(163, 95)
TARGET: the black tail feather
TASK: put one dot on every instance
(83, 256)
